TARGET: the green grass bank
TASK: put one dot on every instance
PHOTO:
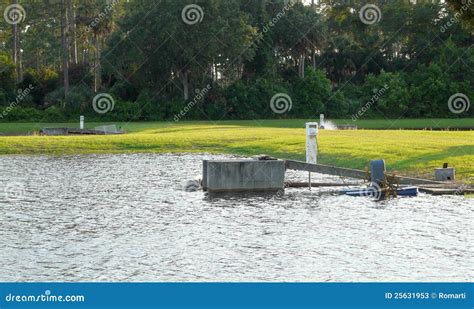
(409, 152)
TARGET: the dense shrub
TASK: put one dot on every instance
(431, 88)
(7, 79)
(422, 93)
(79, 98)
(148, 108)
(215, 104)
(55, 97)
(251, 100)
(337, 106)
(21, 114)
(389, 93)
(53, 114)
(79, 74)
(311, 94)
(123, 110)
(42, 82)
(123, 91)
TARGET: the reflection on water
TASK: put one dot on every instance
(126, 218)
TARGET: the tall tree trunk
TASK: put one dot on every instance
(184, 77)
(299, 67)
(65, 45)
(72, 22)
(20, 58)
(212, 71)
(16, 47)
(302, 66)
(85, 56)
(185, 81)
(313, 56)
(97, 64)
(216, 73)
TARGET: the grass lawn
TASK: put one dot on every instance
(385, 124)
(407, 152)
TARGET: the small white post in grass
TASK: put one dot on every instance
(311, 145)
(81, 122)
(321, 121)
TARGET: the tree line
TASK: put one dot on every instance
(155, 58)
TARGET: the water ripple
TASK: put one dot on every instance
(126, 218)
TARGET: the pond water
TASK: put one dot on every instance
(126, 218)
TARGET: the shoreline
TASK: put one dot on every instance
(460, 129)
(407, 152)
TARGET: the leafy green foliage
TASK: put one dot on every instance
(312, 93)
(390, 93)
(153, 63)
(42, 82)
(7, 79)
(463, 10)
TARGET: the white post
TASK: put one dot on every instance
(81, 122)
(311, 145)
(321, 121)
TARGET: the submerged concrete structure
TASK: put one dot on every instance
(269, 176)
(243, 175)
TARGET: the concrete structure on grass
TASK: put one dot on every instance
(445, 174)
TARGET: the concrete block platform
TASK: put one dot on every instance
(104, 130)
(243, 175)
(445, 174)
